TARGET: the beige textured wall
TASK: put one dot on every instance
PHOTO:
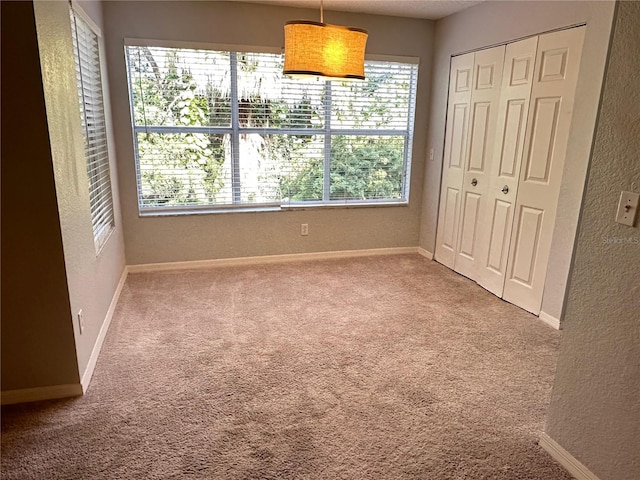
(595, 405)
(197, 237)
(37, 338)
(92, 279)
(492, 23)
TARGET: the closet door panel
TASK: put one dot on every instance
(479, 134)
(501, 217)
(510, 143)
(480, 164)
(455, 153)
(527, 242)
(544, 129)
(549, 120)
(470, 210)
(451, 206)
(458, 135)
(496, 232)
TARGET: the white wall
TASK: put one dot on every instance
(493, 23)
(595, 405)
(92, 280)
(209, 236)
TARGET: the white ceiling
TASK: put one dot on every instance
(431, 9)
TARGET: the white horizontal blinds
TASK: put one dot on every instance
(381, 102)
(180, 87)
(280, 119)
(367, 167)
(87, 62)
(372, 128)
(225, 129)
(268, 99)
(181, 105)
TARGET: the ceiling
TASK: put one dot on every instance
(430, 9)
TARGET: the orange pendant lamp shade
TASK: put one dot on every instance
(320, 49)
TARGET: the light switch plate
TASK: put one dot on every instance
(627, 208)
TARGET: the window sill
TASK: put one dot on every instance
(173, 212)
(309, 206)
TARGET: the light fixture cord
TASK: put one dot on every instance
(321, 11)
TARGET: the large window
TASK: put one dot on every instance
(87, 59)
(216, 130)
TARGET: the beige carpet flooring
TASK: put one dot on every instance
(369, 368)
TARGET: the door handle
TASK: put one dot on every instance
(505, 189)
(474, 182)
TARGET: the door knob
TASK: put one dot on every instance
(505, 189)
(474, 182)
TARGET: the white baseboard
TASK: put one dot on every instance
(425, 253)
(75, 389)
(294, 257)
(553, 322)
(564, 458)
(88, 372)
(41, 393)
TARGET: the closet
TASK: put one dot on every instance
(508, 120)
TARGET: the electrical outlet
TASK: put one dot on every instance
(81, 320)
(304, 229)
(627, 208)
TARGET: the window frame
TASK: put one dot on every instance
(235, 130)
(100, 186)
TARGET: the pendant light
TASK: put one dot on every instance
(318, 49)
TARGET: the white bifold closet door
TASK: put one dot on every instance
(495, 233)
(479, 165)
(455, 155)
(550, 112)
(507, 129)
(474, 91)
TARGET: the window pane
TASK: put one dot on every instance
(180, 87)
(268, 99)
(184, 169)
(281, 167)
(366, 167)
(228, 128)
(380, 102)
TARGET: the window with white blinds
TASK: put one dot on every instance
(215, 130)
(87, 60)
